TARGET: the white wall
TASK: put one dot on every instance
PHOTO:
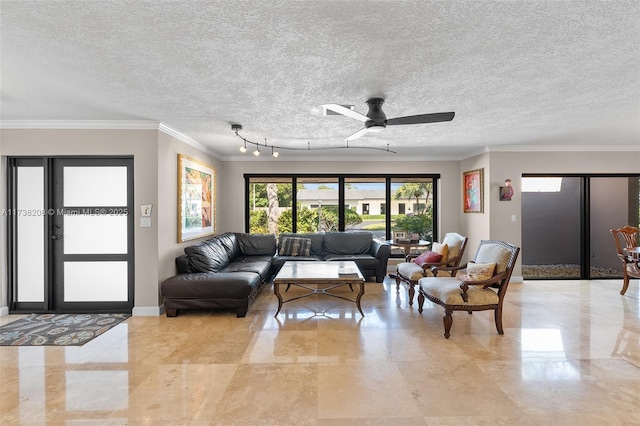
(167, 177)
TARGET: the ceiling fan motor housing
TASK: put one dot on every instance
(377, 118)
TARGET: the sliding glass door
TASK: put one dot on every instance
(566, 222)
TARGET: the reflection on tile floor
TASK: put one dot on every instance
(570, 355)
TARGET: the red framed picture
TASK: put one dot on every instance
(473, 191)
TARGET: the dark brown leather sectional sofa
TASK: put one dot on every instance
(229, 270)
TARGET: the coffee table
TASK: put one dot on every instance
(305, 273)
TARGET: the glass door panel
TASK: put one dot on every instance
(30, 215)
(317, 204)
(412, 211)
(365, 205)
(95, 186)
(551, 227)
(92, 253)
(613, 204)
(108, 281)
(270, 205)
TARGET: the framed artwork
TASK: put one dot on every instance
(196, 199)
(473, 191)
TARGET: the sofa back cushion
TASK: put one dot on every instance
(347, 242)
(295, 246)
(317, 241)
(257, 244)
(207, 256)
(494, 253)
(230, 242)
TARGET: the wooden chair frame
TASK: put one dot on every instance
(451, 262)
(499, 281)
(631, 268)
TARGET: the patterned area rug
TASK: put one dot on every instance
(57, 329)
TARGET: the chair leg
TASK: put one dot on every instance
(412, 293)
(447, 320)
(420, 301)
(625, 283)
(497, 314)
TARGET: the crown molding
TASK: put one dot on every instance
(104, 125)
(186, 139)
(564, 148)
(80, 124)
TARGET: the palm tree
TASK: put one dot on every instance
(415, 190)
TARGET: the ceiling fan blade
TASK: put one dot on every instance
(422, 118)
(346, 111)
(358, 134)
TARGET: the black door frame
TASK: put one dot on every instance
(52, 246)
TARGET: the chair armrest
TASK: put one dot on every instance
(452, 270)
(464, 285)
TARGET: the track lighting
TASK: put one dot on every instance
(275, 154)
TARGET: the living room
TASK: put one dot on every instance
(538, 88)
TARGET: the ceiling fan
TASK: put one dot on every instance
(376, 120)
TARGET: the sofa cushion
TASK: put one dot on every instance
(478, 271)
(295, 246)
(448, 291)
(428, 257)
(490, 253)
(207, 256)
(443, 249)
(260, 265)
(317, 242)
(236, 285)
(410, 270)
(229, 241)
(257, 244)
(347, 242)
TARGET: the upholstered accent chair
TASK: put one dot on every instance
(627, 238)
(412, 269)
(481, 286)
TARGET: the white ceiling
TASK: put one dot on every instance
(519, 74)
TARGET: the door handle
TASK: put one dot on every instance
(56, 237)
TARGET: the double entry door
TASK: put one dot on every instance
(70, 225)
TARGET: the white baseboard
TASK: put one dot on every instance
(516, 279)
(148, 311)
(4, 311)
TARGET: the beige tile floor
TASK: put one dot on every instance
(570, 355)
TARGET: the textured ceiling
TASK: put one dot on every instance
(516, 73)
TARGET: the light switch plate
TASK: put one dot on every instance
(145, 222)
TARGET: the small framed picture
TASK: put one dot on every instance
(399, 235)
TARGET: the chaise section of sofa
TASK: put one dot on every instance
(227, 271)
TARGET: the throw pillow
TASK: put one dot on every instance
(443, 249)
(293, 246)
(428, 257)
(478, 271)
